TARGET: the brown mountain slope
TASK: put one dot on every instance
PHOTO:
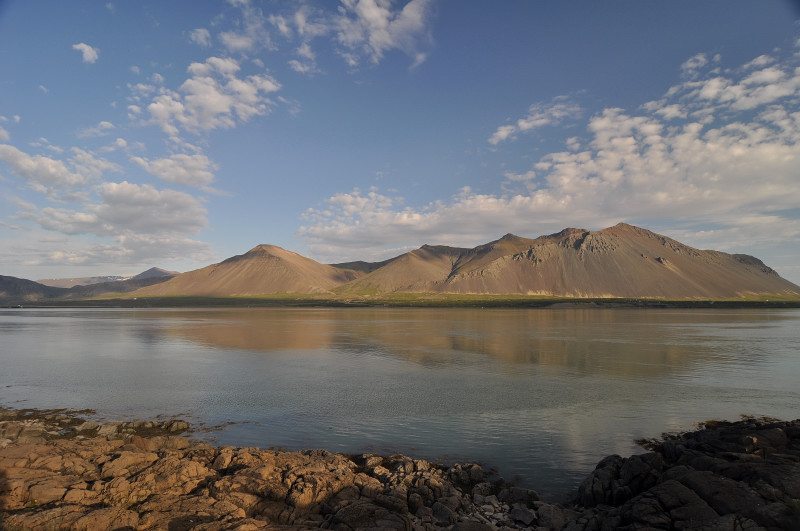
(265, 269)
(416, 271)
(621, 261)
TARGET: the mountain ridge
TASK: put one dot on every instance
(622, 261)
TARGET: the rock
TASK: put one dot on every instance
(127, 464)
(364, 514)
(140, 474)
(175, 426)
(471, 526)
(107, 518)
(513, 495)
(551, 517)
(87, 426)
(109, 429)
(525, 517)
(443, 515)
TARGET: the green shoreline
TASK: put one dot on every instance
(412, 301)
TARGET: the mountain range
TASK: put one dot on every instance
(622, 261)
(153, 272)
(14, 289)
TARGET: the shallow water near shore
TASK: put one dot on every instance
(540, 394)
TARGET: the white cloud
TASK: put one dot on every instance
(101, 129)
(90, 166)
(503, 133)
(45, 171)
(123, 251)
(4, 136)
(696, 158)
(129, 210)
(119, 143)
(190, 170)
(282, 24)
(43, 89)
(201, 37)
(251, 33)
(89, 54)
(213, 97)
(693, 64)
(370, 28)
(307, 64)
(539, 115)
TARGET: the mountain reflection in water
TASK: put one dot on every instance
(540, 394)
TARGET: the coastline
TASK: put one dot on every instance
(403, 300)
(59, 470)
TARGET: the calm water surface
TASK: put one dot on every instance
(540, 394)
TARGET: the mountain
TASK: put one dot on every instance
(153, 272)
(17, 290)
(415, 271)
(78, 281)
(620, 261)
(21, 290)
(264, 270)
(117, 286)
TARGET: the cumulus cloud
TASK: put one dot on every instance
(88, 53)
(4, 136)
(716, 150)
(122, 251)
(48, 174)
(539, 115)
(190, 170)
(212, 97)
(128, 209)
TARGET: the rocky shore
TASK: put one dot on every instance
(60, 471)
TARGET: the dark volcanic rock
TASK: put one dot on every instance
(741, 475)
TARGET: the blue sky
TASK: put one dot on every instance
(177, 134)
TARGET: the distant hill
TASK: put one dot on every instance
(21, 290)
(264, 270)
(86, 281)
(78, 281)
(621, 261)
(155, 272)
(17, 290)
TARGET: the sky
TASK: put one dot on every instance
(177, 134)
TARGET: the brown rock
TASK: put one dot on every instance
(107, 518)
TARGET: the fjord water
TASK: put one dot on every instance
(540, 394)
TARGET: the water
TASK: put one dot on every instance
(540, 394)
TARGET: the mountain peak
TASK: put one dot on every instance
(155, 272)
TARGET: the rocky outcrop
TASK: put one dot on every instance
(59, 471)
(742, 475)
